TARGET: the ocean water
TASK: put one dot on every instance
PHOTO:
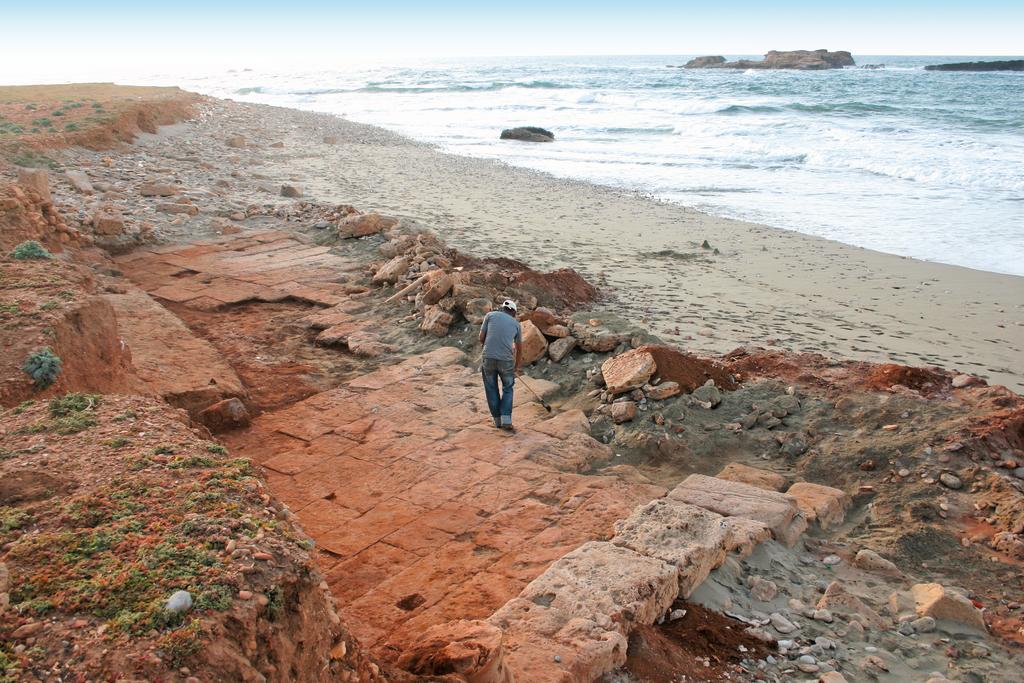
(922, 164)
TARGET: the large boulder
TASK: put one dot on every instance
(628, 371)
(528, 134)
(824, 504)
(943, 604)
(534, 343)
(735, 499)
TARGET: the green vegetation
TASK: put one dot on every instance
(116, 442)
(12, 518)
(10, 128)
(42, 366)
(164, 449)
(31, 107)
(31, 159)
(179, 645)
(69, 404)
(216, 448)
(29, 250)
(71, 127)
(42, 122)
(58, 112)
(23, 406)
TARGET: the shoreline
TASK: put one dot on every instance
(766, 286)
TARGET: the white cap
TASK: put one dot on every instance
(508, 303)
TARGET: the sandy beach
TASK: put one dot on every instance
(756, 285)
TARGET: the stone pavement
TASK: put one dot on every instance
(422, 511)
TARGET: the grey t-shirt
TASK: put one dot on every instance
(500, 330)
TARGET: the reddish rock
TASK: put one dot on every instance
(290, 191)
(79, 181)
(36, 179)
(534, 343)
(392, 271)
(562, 425)
(628, 371)
(230, 413)
(437, 289)
(236, 141)
(108, 221)
(361, 225)
(839, 600)
(690, 372)
(762, 479)
(623, 411)
(824, 504)
(663, 391)
(471, 650)
(436, 321)
(557, 331)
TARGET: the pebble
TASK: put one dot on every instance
(262, 556)
(923, 625)
(781, 623)
(822, 615)
(180, 601)
(950, 481)
(676, 614)
(832, 560)
(558, 659)
(245, 595)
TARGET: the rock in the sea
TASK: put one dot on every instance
(361, 225)
(528, 134)
(628, 371)
(534, 343)
(805, 60)
(290, 191)
(704, 62)
(180, 601)
(1000, 65)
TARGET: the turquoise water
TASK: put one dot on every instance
(922, 164)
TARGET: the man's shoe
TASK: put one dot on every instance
(508, 428)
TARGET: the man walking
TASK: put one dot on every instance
(502, 337)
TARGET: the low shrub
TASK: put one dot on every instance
(42, 366)
(30, 249)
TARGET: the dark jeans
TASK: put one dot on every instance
(500, 405)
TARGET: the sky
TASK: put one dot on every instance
(63, 41)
